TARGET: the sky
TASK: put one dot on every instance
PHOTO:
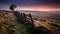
(32, 5)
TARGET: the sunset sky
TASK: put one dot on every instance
(31, 5)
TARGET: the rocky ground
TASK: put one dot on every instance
(11, 23)
(51, 25)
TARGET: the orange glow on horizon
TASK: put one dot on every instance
(39, 8)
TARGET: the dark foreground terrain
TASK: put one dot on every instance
(21, 23)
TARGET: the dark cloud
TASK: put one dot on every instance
(30, 2)
(53, 3)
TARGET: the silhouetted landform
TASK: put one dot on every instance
(55, 15)
(13, 22)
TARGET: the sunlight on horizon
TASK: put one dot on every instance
(36, 9)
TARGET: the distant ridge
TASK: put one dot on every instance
(50, 15)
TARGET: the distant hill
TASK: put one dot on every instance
(55, 15)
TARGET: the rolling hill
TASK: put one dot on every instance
(21, 23)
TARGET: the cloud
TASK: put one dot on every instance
(30, 2)
(51, 3)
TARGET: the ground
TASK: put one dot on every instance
(10, 25)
